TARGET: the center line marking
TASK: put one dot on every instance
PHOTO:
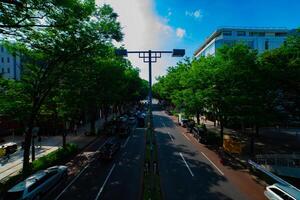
(101, 189)
(186, 165)
(171, 137)
(124, 145)
(186, 137)
(213, 164)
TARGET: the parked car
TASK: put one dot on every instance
(8, 148)
(190, 124)
(109, 150)
(183, 122)
(279, 191)
(38, 184)
(200, 134)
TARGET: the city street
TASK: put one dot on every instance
(188, 172)
(120, 178)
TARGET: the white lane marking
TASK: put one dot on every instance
(186, 137)
(124, 145)
(186, 165)
(76, 177)
(101, 189)
(213, 164)
(171, 137)
(79, 174)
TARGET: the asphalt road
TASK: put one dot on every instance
(186, 173)
(117, 179)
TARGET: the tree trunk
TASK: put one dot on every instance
(32, 149)
(93, 122)
(221, 131)
(26, 153)
(252, 144)
(64, 142)
(198, 117)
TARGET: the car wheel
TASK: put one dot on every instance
(65, 176)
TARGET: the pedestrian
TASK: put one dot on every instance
(40, 141)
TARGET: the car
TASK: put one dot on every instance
(141, 121)
(280, 191)
(109, 150)
(131, 120)
(183, 122)
(9, 148)
(38, 184)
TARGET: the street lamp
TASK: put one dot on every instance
(150, 57)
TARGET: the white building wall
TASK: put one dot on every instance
(257, 41)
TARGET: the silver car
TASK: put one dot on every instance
(35, 186)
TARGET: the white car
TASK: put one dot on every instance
(35, 186)
(279, 191)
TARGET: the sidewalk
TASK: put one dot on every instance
(47, 145)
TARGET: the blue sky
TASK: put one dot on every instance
(216, 13)
(168, 24)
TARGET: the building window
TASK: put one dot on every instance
(8, 70)
(241, 33)
(280, 34)
(266, 45)
(2, 49)
(2, 70)
(7, 59)
(2, 60)
(257, 34)
(227, 33)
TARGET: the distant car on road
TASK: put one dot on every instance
(38, 184)
(131, 120)
(109, 150)
(279, 191)
(141, 121)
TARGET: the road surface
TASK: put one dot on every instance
(186, 172)
(117, 179)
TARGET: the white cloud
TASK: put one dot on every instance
(144, 30)
(180, 32)
(197, 14)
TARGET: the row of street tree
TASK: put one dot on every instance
(238, 87)
(69, 68)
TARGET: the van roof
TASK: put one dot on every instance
(28, 182)
(294, 192)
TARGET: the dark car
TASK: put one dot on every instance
(123, 128)
(200, 134)
(190, 124)
(141, 121)
(109, 150)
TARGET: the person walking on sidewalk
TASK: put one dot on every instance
(40, 141)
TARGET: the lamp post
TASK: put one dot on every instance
(150, 57)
